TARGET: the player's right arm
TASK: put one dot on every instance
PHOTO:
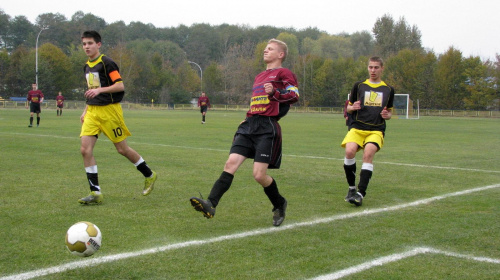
(82, 117)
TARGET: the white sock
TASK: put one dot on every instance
(141, 160)
(91, 169)
(367, 166)
(349, 161)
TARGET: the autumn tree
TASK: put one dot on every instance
(450, 80)
(479, 86)
(412, 72)
(391, 36)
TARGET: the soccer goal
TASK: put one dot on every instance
(405, 108)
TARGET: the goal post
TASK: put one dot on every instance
(405, 108)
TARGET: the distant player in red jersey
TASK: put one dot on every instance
(259, 135)
(59, 103)
(35, 98)
(204, 104)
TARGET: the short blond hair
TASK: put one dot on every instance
(282, 45)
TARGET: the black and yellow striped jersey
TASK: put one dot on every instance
(374, 98)
(103, 72)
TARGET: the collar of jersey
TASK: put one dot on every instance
(95, 61)
(374, 85)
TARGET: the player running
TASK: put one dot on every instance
(370, 105)
(103, 113)
(259, 135)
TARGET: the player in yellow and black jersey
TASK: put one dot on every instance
(370, 105)
(103, 113)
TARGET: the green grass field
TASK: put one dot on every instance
(432, 209)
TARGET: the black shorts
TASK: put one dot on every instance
(259, 137)
(60, 106)
(203, 109)
(35, 108)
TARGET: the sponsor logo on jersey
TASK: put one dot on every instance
(373, 98)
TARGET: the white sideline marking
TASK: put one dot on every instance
(111, 258)
(397, 257)
(297, 156)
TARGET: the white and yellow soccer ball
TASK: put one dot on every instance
(83, 239)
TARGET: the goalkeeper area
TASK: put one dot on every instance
(405, 108)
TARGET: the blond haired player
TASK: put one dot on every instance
(259, 135)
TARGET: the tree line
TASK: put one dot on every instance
(163, 64)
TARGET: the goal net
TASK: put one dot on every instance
(405, 108)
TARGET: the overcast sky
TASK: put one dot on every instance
(473, 27)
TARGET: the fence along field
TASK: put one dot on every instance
(414, 113)
(435, 186)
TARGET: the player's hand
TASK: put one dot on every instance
(268, 88)
(91, 93)
(356, 105)
(386, 115)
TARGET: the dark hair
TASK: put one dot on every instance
(92, 34)
(377, 59)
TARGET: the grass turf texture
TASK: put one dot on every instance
(42, 177)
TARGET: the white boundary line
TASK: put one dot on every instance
(296, 156)
(111, 258)
(397, 257)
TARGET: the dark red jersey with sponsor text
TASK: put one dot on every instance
(35, 96)
(277, 104)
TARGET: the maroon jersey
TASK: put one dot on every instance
(203, 101)
(60, 100)
(35, 96)
(277, 104)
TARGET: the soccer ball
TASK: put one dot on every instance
(83, 239)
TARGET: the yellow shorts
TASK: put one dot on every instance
(361, 137)
(107, 119)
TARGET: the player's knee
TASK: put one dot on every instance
(122, 151)
(351, 153)
(260, 177)
(85, 151)
(230, 166)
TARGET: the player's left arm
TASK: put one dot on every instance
(387, 111)
(288, 93)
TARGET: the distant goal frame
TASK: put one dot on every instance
(408, 112)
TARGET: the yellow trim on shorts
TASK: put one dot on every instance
(107, 119)
(361, 137)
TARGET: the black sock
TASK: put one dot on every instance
(274, 195)
(144, 169)
(37, 120)
(203, 118)
(93, 181)
(220, 187)
(31, 120)
(350, 174)
(364, 179)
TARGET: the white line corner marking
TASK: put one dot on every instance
(397, 257)
(112, 258)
